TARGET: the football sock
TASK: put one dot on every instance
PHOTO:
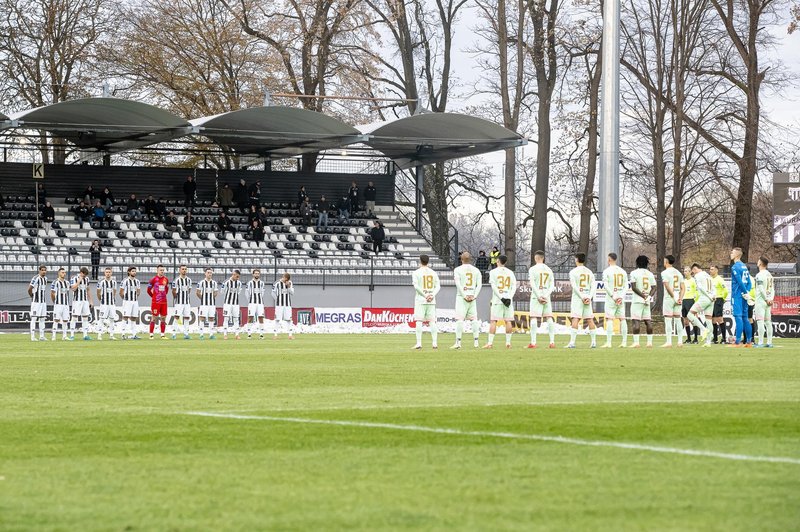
(649, 338)
(459, 330)
(697, 330)
(33, 326)
(761, 331)
(623, 328)
(476, 329)
(748, 331)
(163, 326)
(678, 329)
(716, 332)
(508, 338)
(724, 331)
(534, 330)
(418, 331)
(551, 329)
(42, 326)
(739, 327)
(768, 327)
(491, 338)
(152, 326)
(609, 330)
(84, 326)
(695, 321)
(593, 335)
(668, 329)
(689, 331)
(636, 339)
(434, 332)
(573, 333)
(55, 328)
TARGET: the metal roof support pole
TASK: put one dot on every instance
(608, 208)
(420, 175)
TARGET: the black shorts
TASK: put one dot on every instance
(750, 311)
(686, 307)
(719, 303)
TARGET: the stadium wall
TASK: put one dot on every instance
(70, 181)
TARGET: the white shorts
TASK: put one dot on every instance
(613, 310)
(208, 311)
(231, 311)
(255, 310)
(579, 309)
(703, 306)
(61, 313)
(184, 311)
(130, 309)
(80, 308)
(38, 310)
(107, 312)
(541, 310)
(283, 313)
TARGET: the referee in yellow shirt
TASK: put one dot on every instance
(720, 296)
(689, 297)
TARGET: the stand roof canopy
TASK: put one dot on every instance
(115, 125)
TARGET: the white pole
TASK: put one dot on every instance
(608, 208)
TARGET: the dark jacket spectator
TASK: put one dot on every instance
(263, 214)
(89, 195)
(189, 192)
(224, 224)
(94, 254)
(344, 208)
(132, 206)
(161, 208)
(106, 197)
(301, 196)
(305, 212)
(226, 197)
(370, 194)
(482, 262)
(188, 223)
(242, 196)
(83, 213)
(256, 232)
(323, 206)
(48, 216)
(40, 190)
(150, 206)
(252, 214)
(352, 195)
(98, 212)
(254, 193)
(378, 235)
(171, 221)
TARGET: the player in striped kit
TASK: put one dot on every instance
(230, 308)
(615, 283)
(255, 304)
(37, 291)
(59, 293)
(129, 291)
(81, 303)
(181, 296)
(282, 291)
(106, 292)
(207, 291)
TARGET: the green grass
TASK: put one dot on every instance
(94, 436)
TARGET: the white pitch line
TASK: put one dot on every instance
(506, 435)
(527, 403)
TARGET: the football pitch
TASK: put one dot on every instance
(359, 432)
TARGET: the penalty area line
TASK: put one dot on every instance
(505, 435)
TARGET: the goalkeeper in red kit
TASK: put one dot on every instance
(157, 289)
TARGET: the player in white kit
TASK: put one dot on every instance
(181, 297)
(765, 295)
(106, 295)
(615, 284)
(81, 302)
(674, 289)
(504, 286)
(60, 295)
(468, 286)
(540, 277)
(643, 286)
(231, 311)
(704, 304)
(426, 286)
(584, 287)
(255, 304)
(129, 291)
(206, 292)
(282, 292)
(37, 291)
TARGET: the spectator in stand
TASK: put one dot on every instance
(352, 195)
(99, 212)
(322, 212)
(2, 201)
(256, 232)
(171, 222)
(82, 213)
(48, 216)
(161, 208)
(370, 193)
(226, 197)
(242, 196)
(132, 207)
(188, 223)
(254, 193)
(94, 255)
(305, 212)
(378, 235)
(189, 192)
(89, 195)
(344, 208)
(150, 206)
(252, 214)
(224, 224)
(482, 263)
(301, 196)
(493, 256)
(106, 198)
(40, 190)
(263, 214)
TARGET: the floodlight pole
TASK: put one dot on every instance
(608, 208)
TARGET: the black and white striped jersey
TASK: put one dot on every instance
(255, 292)
(232, 289)
(282, 294)
(183, 287)
(130, 289)
(108, 289)
(61, 291)
(82, 291)
(208, 289)
(39, 285)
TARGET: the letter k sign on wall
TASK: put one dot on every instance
(38, 171)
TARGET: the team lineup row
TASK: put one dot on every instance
(705, 292)
(72, 302)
